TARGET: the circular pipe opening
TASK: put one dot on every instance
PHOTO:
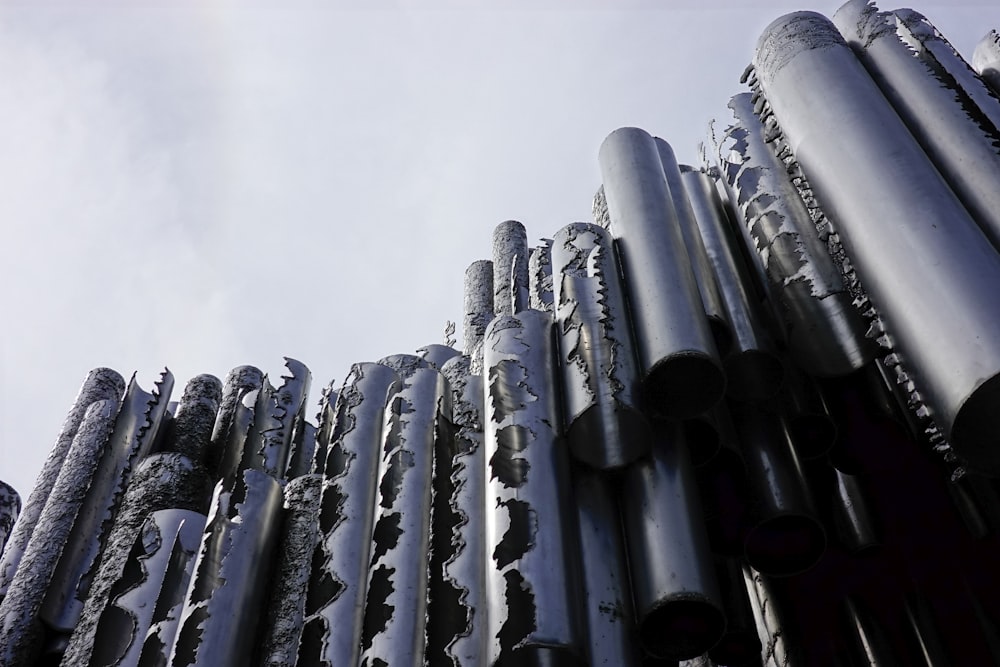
(684, 385)
(975, 433)
(785, 545)
(753, 375)
(702, 439)
(682, 628)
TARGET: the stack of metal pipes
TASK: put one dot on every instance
(749, 415)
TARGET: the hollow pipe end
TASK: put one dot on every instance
(975, 432)
(682, 626)
(739, 647)
(605, 446)
(785, 545)
(684, 385)
(703, 440)
(813, 434)
(753, 375)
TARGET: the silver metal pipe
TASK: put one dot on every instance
(331, 634)
(478, 306)
(867, 643)
(510, 266)
(232, 420)
(682, 375)
(540, 289)
(303, 451)
(166, 480)
(276, 415)
(787, 536)
(599, 209)
(676, 594)
(753, 369)
(947, 108)
(21, 632)
(867, 167)
(10, 507)
(136, 429)
(986, 60)
(775, 620)
(600, 375)
(436, 355)
(223, 606)
(395, 627)
(856, 524)
(824, 331)
(463, 623)
(923, 633)
(813, 429)
(610, 613)
(282, 631)
(531, 532)
(704, 275)
(741, 644)
(101, 384)
(195, 417)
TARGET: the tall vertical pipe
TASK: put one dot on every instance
(867, 167)
(986, 60)
(276, 415)
(741, 643)
(510, 266)
(478, 307)
(10, 507)
(195, 418)
(530, 527)
(682, 375)
(540, 289)
(436, 355)
(601, 390)
(232, 420)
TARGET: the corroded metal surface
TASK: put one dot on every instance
(277, 413)
(194, 419)
(540, 296)
(477, 304)
(10, 507)
(510, 267)
(233, 419)
(600, 376)
(436, 355)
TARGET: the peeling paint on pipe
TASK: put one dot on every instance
(195, 417)
(436, 355)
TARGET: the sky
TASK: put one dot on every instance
(199, 185)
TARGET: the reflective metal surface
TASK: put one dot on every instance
(540, 287)
(10, 507)
(986, 60)
(510, 267)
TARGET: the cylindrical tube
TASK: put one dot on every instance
(231, 422)
(101, 384)
(437, 354)
(923, 633)
(195, 417)
(986, 60)
(302, 454)
(530, 526)
(895, 217)
(540, 289)
(813, 429)
(10, 507)
(866, 641)
(601, 390)
(510, 267)
(780, 638)
(331, 634)
(395, 627)
(682, 375)
(478, 303)
(673, 582)
(855, 522)
(741, 644)
(276, 415)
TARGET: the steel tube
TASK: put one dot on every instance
(232, 420)
(478, 307)
(775, 621)
(195, 417)
(986, 60)
(867, 643)
(682, 375)
(436, 355)
(10, 507)
(855, 522)
(510, 267)
(865, 168)
(531, 532)
(600, 376)
(741, 644)
(276, 415)
(540, 289)
(676, 595)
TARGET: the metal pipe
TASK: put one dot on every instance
(232, 421)
(986, 60)
(195, 417)
(856, 524)
(867, 167)
(478, 306)
(682, 375)
(303, 451)
(101, 384)
(331, 633)
(510, 266)
(946, 107)
(867, 643)
(276, 415)
(824, 331)
(599, 209)
(10, 507)
(741, 644)
(812, 427)
(775, 620)
(21, 632)
(677, 598)
(531, 530)
(436, 354)
(923, 633)
(600, 376)
(395, 625)
(540, 290)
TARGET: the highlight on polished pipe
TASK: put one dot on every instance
(986, 60)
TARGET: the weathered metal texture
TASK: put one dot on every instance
(787, 536)
(824, 331)
(460, 607)
(600, 375)
(395, 626)
(923, 633)
(101, 384)
(235, 417)
(775, 621)
(986, 60)
(682, 374)
(302, 456)
(674, 586)
(148, 585)
(741, 644)
(223, 606)
(194, 419)
(478, 306)
(286, 609)
(866, 642)
(540, 289)
(21, 631)
(276, 415)
(531, 532)
(611, 632)
(945, 105)
(436, 355)
(136, 429)
(335, 604)
(599, 209)
(867, 167)
(10, 507)
(161, 481)
(856, 524)
(754, 371)
(705, 433)
(510, 267)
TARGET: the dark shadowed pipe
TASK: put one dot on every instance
(230, 423)
(986, 60)
(722, 489)
(10, 507)
(532, 542)
(968, 507)
(600, 376)
(677, 599)
(754, 371)
(922, 629)
(740, 645)
(787, 536)
(707, 433)
(708, 287)
(680, 366)
(336, 599)
(395, 625)
(195, 417)
(610, 613)
(101, 384)
(854, 520)
(540, 295)
(824, 331)
(812, 427)
(775, 619)
(901, 51)
(866, 640)
(510, 266)
(866, 166)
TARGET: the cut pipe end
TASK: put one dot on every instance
(753, 375)
(785, 545)
(682, 627)
(975, 433)
(684, 385)
(812, 434)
